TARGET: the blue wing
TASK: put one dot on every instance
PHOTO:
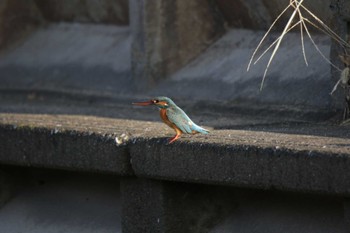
(183, 122)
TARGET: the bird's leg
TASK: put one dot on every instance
(173, 139)
(178, 134)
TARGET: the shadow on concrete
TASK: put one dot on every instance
(60, 201)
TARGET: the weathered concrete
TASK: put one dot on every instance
(222, 69)
(319, 7)
(240, 158)
(71, 57)
(102, 12)
(17, 19)
(145, 212)
(61, 148)
(56, 201)
(346, 206)
(260, 14)
(306, 169)
(340, 25)
(245, 14)
(48, 201)
(98, 58)
(168, 34)
(20, 18)
(272, 212)
(274, 140)
(6, 188)
(342, 8)
(63, 44)
(171, 207)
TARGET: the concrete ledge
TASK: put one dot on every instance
(248, 165)
(53, 147)
(263, 160)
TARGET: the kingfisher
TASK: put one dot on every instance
(174, 117)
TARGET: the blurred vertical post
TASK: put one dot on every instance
(168, 34)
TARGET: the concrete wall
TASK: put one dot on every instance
(260, 14)
(340, 24)
(167, 38)
(88, 11)
(201, 17)
(17, 19)
(53, 201)
(169, 34)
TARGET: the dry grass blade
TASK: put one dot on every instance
(297, 6)
(265, 35)
(284, 32)
(327, 30)
(317, 48)
(301, 35)
(275, 41)
(331, 33)
(335, 87)
(302, 43)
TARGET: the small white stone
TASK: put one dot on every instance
(118, 140)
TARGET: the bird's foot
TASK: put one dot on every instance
(173, 139)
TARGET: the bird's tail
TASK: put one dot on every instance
(199, 129)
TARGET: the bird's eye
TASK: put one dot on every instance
(155, 101)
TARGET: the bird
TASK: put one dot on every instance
(174, 117)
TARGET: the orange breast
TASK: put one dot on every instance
(166, 120)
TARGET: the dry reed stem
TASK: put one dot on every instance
(297, 5)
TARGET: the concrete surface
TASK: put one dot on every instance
(64, 44)
(259, 14)
(17, 20)
(275, 150)
(342, 7)
(103, 59)
(241, 158)
(275, 160)
(57, 147)
(53, 202)
(47, 200)
(221, 73)
(142, 213)
(173, 207)
(96, 59)
(271, 212)
(168, 34)
(340, 23)
(100, 12)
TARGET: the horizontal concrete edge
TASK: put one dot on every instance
(301, 163)
(244, 166)
(69, 149)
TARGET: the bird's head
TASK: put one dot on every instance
(160, 102)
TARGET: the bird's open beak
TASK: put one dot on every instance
(146, 103)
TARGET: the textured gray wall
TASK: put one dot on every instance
(88, 11)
